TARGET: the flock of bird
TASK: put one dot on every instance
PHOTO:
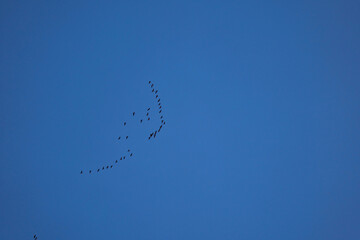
(126, 137)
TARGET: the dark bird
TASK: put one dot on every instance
(156, 91)
(149, 138)
(148, 109)
(90, 171)
(152, 85)
(152, 90)
(160, 126)
(124, 123)
(111, 166)
(121, 158)
(160, 111)
(131, 154)
(156, 96)
(119, 138)
(162, 120)
(148, 119)
(159, 104)
(159, 107)
(155, 134)
(116, 161)
(149, 82)
(107, 167)
(127, 137)
(103, 168)
(133, 113)
(141, 121)
(147, 114)
(161, 117)
(128, 150)
(159, 100)
(151, 134)
(124, 157)
(81, 172)
(98, 169)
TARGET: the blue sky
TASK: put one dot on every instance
(261, 100)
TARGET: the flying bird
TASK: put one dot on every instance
(148, 119)
(107, 167)
(149, 82)
(161, 117)
(152, 90)
(160, 111)
(133, 113)
(152, 85)
(90, 171)
(127, 137)
(141, 121)
(131, 154)
(98, 170)
(103, 168)
(81, 172)
(124, 123)
(116, 161)
(111, 166)
(119, 138)
(148, 109)
(159, 100)
(156, 91)
(147, 114)
(121, 158)
(128, 150)
(156, 96)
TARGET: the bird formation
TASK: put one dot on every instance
(140, 120)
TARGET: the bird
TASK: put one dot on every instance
(98, 170)
(121, 158)
(160, 111)
(111, 166)
(151, 134)
(147, 114)
(103, 168)
(152, 90)
(127, 137)
(131, 154)
(149, 82)
(107, 167)
(148, 119)
(128, 150)
(164, 123)
(124, 157)
(149, 138)
(156, 96)
(159, 107)
(124, 123)
(161, 117)
(140, 120)
(148, 109)
(162, 120)
(133, 113)
(81, 172)
(161, 126)
(116, 161)
(159, 100)
(90, 171)
(119, 138)
(155, 134)
(152, 85)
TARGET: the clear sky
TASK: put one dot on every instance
(262, 108)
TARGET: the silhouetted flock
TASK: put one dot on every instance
(142, 118)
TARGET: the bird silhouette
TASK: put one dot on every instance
(107, 167)
(116, 161)
(155, 134)
(98, 170)
(131, 154)
(152, 90)
(161, 117)
(127, 137)
(148, 119)
(149, 82)
(147, 114)
(156, 91)
(152, 85)
(81, 172)
(141, 121)
(156, 96)
(159, 100)
(103, 168)
(128, 150)
(160, 111)
(124, 157)
(90, 171)
(119, 138)
(111, 166)
(133, 113)
(148, 109)
(124, 123)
